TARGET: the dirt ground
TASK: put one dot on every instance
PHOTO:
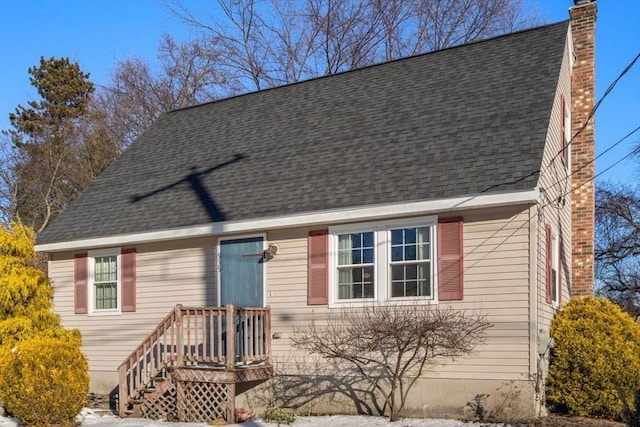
(564, 421)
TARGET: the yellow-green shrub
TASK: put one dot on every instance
(25, 292)
(596, 359)
(44, 381)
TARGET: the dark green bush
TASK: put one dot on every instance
(596, 360)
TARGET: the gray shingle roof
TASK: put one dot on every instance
(460, 121)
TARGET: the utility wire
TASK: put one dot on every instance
(596, 106)
(595, 176)
(595, 158)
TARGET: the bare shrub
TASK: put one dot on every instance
(390, 346)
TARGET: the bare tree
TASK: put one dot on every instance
(137, 93)
(245, 45)
(8, 196)
(617, 250)
(390, 346)
(264, 44)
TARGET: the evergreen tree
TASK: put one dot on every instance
(59, 145)
(25, 292)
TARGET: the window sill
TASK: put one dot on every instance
(100, 313)
(385, 303)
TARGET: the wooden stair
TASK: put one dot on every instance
(187, 369)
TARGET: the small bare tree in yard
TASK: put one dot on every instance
(390, 346)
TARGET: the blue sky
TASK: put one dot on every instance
(96, 33)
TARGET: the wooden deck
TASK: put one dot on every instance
(188, 367)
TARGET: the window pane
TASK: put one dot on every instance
(397, 272)
(106, 296)
(397, 289)
(368, 290)
(105, 279)
(344, 249)
(344, 291)
(424, 252)
(367, 240)
(396, 253)
(409, 253)
(355, 248)
(410, 280)
(355, 282)
(410, 235)
(412, 288)
(410, 244)
(396, 237)
(411, 272)
(367, 256)
(425, 288)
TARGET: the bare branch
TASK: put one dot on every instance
(617, 246)
(390, 346)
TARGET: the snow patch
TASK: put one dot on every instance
(88, 417)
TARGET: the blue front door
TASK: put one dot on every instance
(242, 272)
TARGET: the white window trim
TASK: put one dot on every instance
(555, 262)
(567, 134)
(90, 282)
(382, 258)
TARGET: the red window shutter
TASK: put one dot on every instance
(561, 268)
(450, 254)
(563, 134)
(549, 261)
(80, 278)
(318, 269)
(128, 277)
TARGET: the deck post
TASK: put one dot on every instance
(231, 337)
(179, 336)
(267, 333)
(123, 395)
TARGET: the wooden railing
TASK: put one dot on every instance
(214, 337)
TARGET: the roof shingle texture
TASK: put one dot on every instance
(461, 121)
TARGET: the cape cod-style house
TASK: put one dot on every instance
(450, 178)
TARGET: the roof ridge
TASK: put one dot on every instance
(377, 64)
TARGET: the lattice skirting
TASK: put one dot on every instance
(202, 401)
(162, 406)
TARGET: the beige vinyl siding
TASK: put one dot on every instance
(496, 278)
(167, 273)
(555, 207)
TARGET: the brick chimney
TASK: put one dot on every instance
(583, 19)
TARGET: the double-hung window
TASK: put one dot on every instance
(356, 265)
(382, 261)
(410, 262)
(553, 266)
(104, 281)
(555, 269)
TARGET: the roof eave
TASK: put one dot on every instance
(364, 213)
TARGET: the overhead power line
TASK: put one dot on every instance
(620, 141)
(596, 106)
(631, 153)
